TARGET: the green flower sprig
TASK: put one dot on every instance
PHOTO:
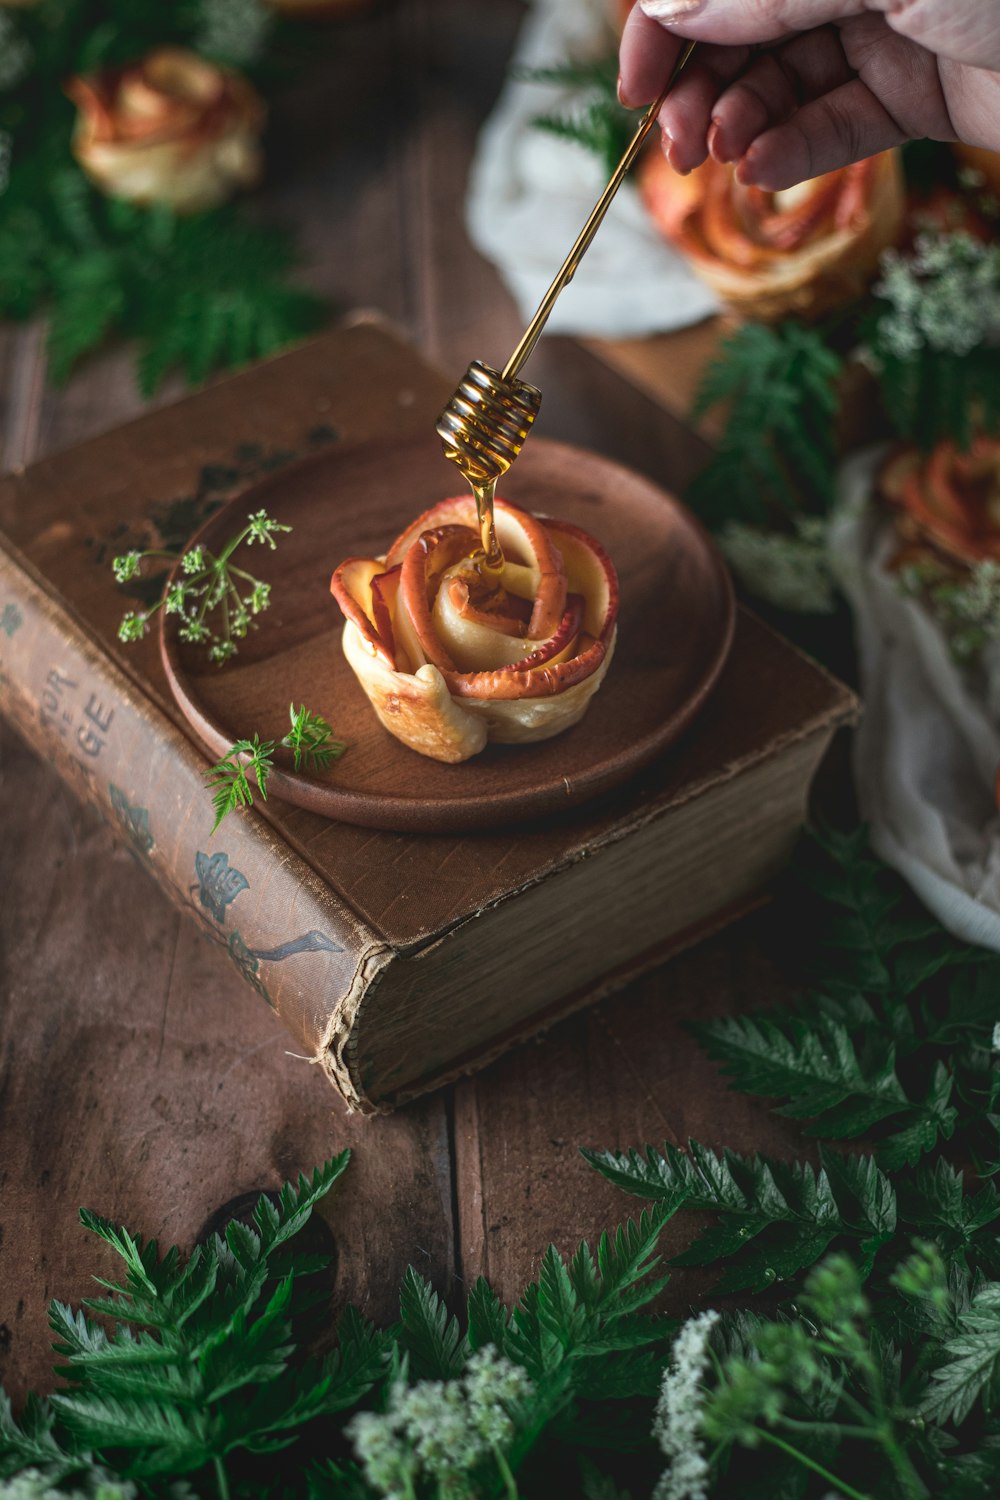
(217, 601)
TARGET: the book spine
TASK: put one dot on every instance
(304, 951)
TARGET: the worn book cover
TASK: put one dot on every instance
(395, 958)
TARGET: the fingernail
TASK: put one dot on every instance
(715, 143)
(667, 143)
(669, 11)
(744, 171)
(623, 98)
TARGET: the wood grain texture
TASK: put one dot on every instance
(124, 1082)
(625, 1073)
(142, 1078)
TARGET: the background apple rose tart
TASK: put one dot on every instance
(171, 128)
(798, 252)
(946, 500)
(449, 663)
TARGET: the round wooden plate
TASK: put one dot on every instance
(675, 630)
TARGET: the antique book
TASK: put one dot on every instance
(397, 959)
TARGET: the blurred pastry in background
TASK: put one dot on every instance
(946, 500)
(795, 253)
(171, 128)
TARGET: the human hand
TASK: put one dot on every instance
(788, 89)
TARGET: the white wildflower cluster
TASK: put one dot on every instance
(677, 1425)
(974, 181)
(234, 31)
(31, 1484)
(205, 587)
(943, 295)
(6, 156)
(978, 599)
(263, 528)
(790, 570)
(15, 53)
(442, 1430)
(126, 566)
(996, 1037)
(967, 608)
(133, 625)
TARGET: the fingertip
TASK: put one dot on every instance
(646, 56)
(758, 168)
(752, 171)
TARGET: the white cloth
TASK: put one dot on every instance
(927, 751)
(530, 193)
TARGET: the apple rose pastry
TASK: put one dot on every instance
(170, 128)
(798, 252)
(947, 500)
(448, 663)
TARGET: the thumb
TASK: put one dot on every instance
(968, 32)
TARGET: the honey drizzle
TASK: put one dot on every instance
(483, 429)
(488, 560)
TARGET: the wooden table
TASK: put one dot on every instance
(109, 998)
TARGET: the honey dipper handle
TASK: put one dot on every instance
(567, 270)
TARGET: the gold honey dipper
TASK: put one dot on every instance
(485, 423)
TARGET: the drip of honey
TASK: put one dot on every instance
(488, 560)
(483, 429)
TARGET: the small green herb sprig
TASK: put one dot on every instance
(822, 1387)
(776, 457)
(196, 1371)
(597, 121)
(768, 486)
(310, 740)
(216, 600)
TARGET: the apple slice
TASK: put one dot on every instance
(351, 586)
(426, 560)
(590, 573)
(385, 590)
(478, 645)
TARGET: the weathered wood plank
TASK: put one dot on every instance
(141, 1077)
(626, 1073)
